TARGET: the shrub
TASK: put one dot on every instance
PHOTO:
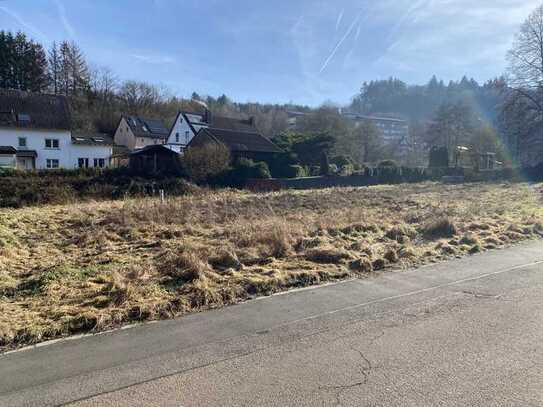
(347, 170)
(204, 162)
(296, 171)
(387, 163)
(243, 170)
(342, 160)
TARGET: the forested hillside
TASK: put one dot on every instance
(420, 102)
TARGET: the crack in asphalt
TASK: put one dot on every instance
(365, 370)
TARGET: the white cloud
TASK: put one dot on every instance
(451, 37)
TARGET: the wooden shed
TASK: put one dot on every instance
(155, 159)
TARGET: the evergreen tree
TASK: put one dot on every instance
(23, 63)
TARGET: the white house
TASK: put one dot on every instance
(185, 127)
(136, 132)
(188, 124)
(35, 133)
(91, 150)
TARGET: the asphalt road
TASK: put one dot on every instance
(466, 332)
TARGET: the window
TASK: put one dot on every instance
(83, 162)
(187, 134)
(23, 118)
(51, 143)
(177, 137)
(52, 164)
(99, 162)
(22, 141)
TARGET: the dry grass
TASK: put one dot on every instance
(93, 266)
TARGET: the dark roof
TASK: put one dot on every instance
(157, 148)
(239, 141)
(92, 139)
(34, 110)
(227, 123)
(150, 128)
(27, 153)
(221, 122)
(7, 150)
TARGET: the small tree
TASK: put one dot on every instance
(203, 162)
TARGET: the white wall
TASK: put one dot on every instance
(78, 151)
(181, 127)
(67, 153)
(35, 140)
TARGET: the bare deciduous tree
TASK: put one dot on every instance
(525, 71)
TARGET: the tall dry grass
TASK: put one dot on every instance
(91, 266)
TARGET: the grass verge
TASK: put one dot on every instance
(94, 266)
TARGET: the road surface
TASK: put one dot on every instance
(466, 332)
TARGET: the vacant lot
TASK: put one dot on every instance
(93, 266)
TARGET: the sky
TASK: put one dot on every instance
(282, 51)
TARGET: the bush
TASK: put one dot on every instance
(204, 162)
(243, 170)
(50, 187)
(387, 164)
(296, 171)
(342, 160)
(347, 170)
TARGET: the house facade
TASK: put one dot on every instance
(137, 132)
(187, 125)
(35, 133)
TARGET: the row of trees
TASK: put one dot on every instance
(98, 96)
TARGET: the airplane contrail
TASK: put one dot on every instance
(23, 23)
(339, 19)
(340, 42)
(357, 35)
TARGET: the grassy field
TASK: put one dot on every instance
(93, 266)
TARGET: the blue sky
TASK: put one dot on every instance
(297, 51)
